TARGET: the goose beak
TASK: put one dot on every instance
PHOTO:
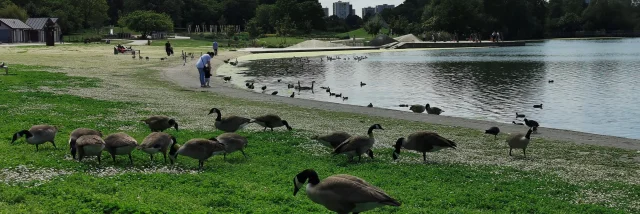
(15, 137)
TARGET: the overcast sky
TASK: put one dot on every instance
(359, 4)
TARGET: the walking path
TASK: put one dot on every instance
(187, 77)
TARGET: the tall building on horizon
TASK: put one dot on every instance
(342, 9)
(368, 11)
(380, 8)
(326, 12)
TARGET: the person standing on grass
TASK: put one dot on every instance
(205, 60)
(61, 39)
(215, 48)
(168, 48)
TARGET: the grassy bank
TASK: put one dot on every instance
(112, 93)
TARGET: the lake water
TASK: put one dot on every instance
(595, 87)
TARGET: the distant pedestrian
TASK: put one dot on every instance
(168, 48)
(205, 61)
(499, 37)
(61, 39)
(215, 48)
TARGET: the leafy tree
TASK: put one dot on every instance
(264, 18)
(373, 26)
(353, 21)
(285, 27)
(253, 28)
(12, 11)
(146, 22)
(399, 26)
(94, 13)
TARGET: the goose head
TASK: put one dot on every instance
(397, 147)
(302, 177)
(19, 134)
(173, 123)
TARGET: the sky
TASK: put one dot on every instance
(359, 4)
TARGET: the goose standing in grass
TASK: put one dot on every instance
(342, 193)
(120, 144)
(160, 123)
(232, 142)
(79, 132)
(87, 145)
(423, 142)
(433, 110)
(532, 124)
(519, 141)
(418, 108)
(358, 145)
(199, 149)
(520, 115)
(37, 135)
(493, 131)
(229, 123)
(271, 121)
(157, 142)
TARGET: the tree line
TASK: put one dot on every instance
(517, 19)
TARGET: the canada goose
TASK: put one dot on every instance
(2, 65)
(293, 94)
(232, 142)
(162, 59)
(494, 131)
(271, 121)
(290, 85)
(332, 94)
(251, 86)
(279, 80)
(370, 105)
(229, 123)
(87, 145)
(246, 84)
(147, 58)
(417, 108)
(339, 95)
(403, 105)
(514, 123)
(519, 141)
(264, 88)
(120, 144)
(140, 57)
(423, 142)
(358, 145)
(328, 90)
(362, 84)
(199, 149)
(537, 106)
(157, 142)
(520, 115)
(37, 135)
(227, 60)
(227, 79)
(345, 98)
(79, 132)
(160, 123)
(532, 124)
(433, 110)
(306, 87)
(550, 81)
(342, 193)
(274, 93)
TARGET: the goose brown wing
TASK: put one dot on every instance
(355, 191)
(43, 130)
(120, 140)
(424, 141)
(235, 121)
(156, 140)
(335, 139)
(268, 118)
(352, 144)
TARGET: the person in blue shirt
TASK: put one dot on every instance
(215, 48)
(205, 60)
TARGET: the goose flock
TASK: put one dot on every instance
(340, 193)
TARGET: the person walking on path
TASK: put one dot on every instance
(61, 39)
(168, 48)
(205, 60)
(215, 48)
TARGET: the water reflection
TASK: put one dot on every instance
(594, 88)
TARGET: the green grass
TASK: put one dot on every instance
(260, 184)
(361, 33)
(279, 41)
(178, 43)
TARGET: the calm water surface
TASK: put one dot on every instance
(595, 89)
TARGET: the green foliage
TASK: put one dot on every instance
(253, 28)
(146, 22)
(9, 10)
(373, 26)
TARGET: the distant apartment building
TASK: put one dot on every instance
(380, 8)
(353, 12)
(326, 12)
(342, 9)
(368, 11)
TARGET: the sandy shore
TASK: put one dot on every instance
(187, 77)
